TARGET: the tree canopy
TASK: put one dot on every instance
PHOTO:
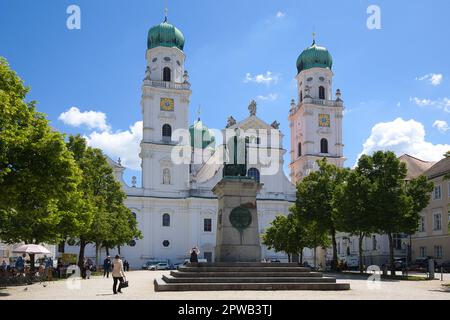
(38, 176)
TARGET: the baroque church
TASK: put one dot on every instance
(175, 207)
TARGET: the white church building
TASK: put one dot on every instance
(175, 207)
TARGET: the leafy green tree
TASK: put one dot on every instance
(285, 234)
(395, 202)
(447, 155)
(317, 197)
(113, 223)
(39, 178)
(356, 216)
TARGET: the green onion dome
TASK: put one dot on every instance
(314, 57)
(165, 35)
(201, 137)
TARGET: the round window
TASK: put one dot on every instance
(167, 59)
(154, 59)
(132, 243)
(166, 243)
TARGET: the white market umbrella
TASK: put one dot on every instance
(32, 249)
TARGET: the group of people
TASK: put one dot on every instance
(22, 267)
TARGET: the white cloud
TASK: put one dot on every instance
(92, 119)
(434, 78)
(120, 144)
(269, 97)
(402, 137)
(267, 78)
(280, 15)
(441, 125)
(443, 103)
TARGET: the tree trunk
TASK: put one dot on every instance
(97, 247)
(81, 254)
(361, 264)
(62, 246)
(289, 257)
(301, 256)
(118, 250)
(315, 257)
(334, 263)
(391, 254)
(107, 250)
(32, 255)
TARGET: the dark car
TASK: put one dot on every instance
(445, 266)
(421, 264)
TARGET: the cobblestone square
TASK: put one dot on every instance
(141, 288)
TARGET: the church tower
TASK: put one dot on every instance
(165, 109)
(316, 120)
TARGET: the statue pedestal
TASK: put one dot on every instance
(238, 237)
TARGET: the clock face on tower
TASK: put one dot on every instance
(167, 104)
(324, 120)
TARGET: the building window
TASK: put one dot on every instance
(167, 132)
(301, 96)
(437, 221)
(422, 224)
(437, 193)
(166, 74)
(423, 252)
(207, 225)
(166, 176)
(132, 243)
(374, 243)
(324, 146)
(397, 238)
(438, 252)
(166, 243)
(254, 173)
(321, 93)
(339, 248)
(299, 154)
(166, 220)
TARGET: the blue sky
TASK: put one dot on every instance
(395, 81)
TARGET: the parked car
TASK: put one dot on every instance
(162, 266)
(445, 266)
(151, 264)
(421, 264)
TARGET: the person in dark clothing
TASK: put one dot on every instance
(126, 265)
(106, 266)
(194, 255)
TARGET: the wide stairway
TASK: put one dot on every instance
(245, 276)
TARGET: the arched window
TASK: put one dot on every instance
(134, 215)
(166, 220)
(166, 132)
(321, 93)
(324, 146)
(166, 74)
(299, 151)
(254, 173)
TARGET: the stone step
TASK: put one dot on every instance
(243, 269)
(246, 264)
(161, 285)
(245, 274)
(172, 279)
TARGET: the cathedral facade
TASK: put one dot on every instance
(181, 163)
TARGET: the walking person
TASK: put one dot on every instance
(4, 266)
(118, 274)
(194, 255)
(106, 266)
(20, 264)
(88, 266)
